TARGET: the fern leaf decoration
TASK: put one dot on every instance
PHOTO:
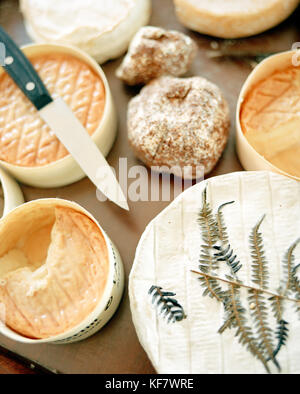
(208, 227)
(167, 306)
(282, 335)
(212, 288)
(223, 251)
(277, 307)
(253, 324)
(226, 255)
(259, 264)
(221, 226)
(259, 312)
(296, 280)
(244, 332)
(289, 269)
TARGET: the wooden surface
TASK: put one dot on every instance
(115, 349)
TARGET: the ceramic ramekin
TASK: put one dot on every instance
(66, 171)
(112, 292)
(12, 193)
(250, 159)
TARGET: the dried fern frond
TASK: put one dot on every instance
(221, 226)
(244, 332)
(166, 305)
(277, 306)
(296, 282)
(259, 312)
(259, 262)
(247, 287)
(282, 335)
(235, 317)
(226, 255)
(282, 330)
(212, 288)
(230, 318)
(208, 227)
(296, 287)
(288, 266)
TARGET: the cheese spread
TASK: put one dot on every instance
(53, 271)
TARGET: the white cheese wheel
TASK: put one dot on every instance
(170, 248)
(233, 18)
(102, 28)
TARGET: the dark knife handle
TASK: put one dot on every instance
(23, 73)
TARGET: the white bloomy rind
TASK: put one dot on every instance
(170, 248)
(102, 28)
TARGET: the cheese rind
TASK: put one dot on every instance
(233, 18)
(25, 139)
(270, 119)
(170, 248)
(102, 28)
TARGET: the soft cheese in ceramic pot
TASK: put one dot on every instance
(102, 28)
(267, 116)
(29, 150)
(26, 140)
(59, 273)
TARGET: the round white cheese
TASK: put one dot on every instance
(170, 249)
(233, 18)
(102, 28)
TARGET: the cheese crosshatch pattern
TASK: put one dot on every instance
(270, 119)
(170, 249)
(26, 140)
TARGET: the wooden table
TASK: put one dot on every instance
(115, 349)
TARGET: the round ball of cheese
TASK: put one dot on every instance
(179, 124)
(233, 18)
(102, 28)
(154, 52)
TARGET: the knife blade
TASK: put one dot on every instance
(63, 122)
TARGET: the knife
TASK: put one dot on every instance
(63, 122)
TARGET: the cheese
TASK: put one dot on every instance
(270, 119)
(25, 139)
(102, 28)
(233, 18)
(53, 270)
(170, 248)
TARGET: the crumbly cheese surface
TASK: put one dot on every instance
(52, 279)
(154, 52)
(270, 119)
(25, 139)
(179, 122)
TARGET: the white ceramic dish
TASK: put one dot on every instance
(250, 159)
(112, 292)
(12, 193)
(66, 171)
